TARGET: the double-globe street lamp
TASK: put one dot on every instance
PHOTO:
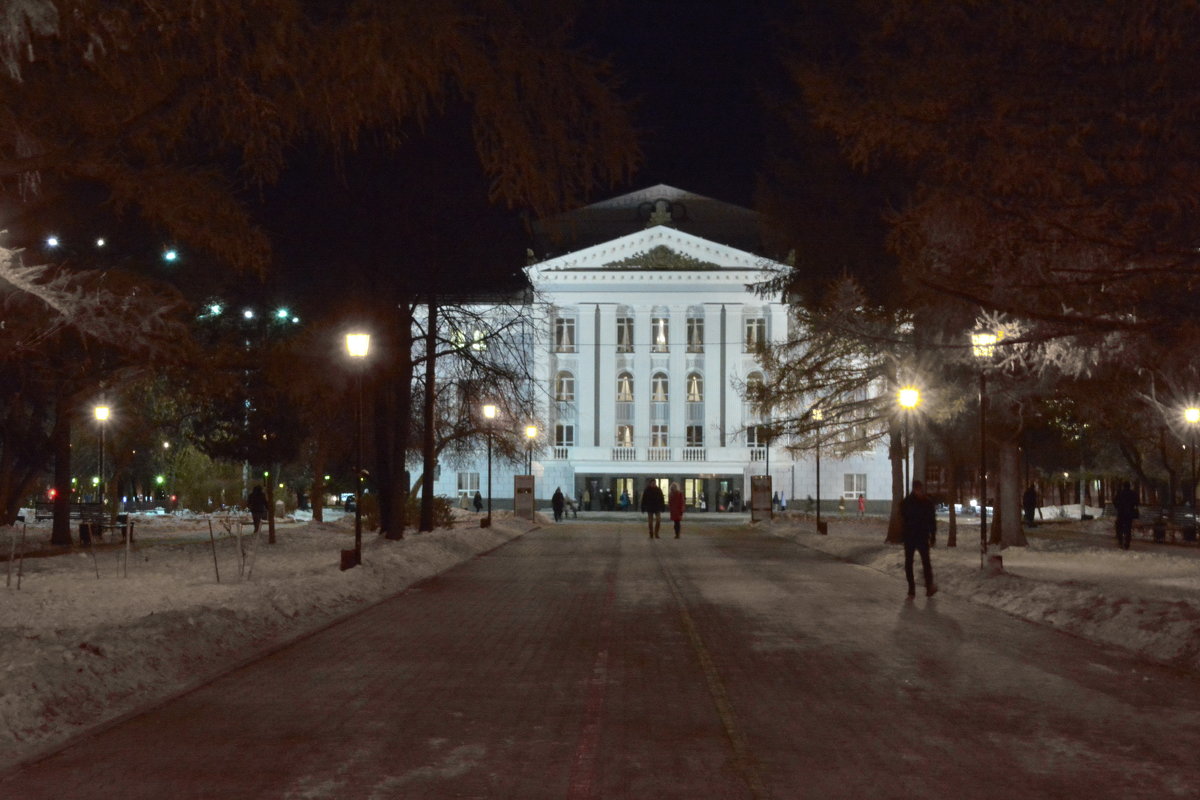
(983, 346)
(357, 346)
(818, 415)
(102, 414)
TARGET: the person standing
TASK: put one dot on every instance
(587, 499)
(557, 502)
(920, 524)
(1029, 505)
(1126, 504)
(862, 505)
(675, 506)
(478, 502)
(257, 503)
(652, 505)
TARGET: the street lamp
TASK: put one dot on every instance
(101, 413)
(489, 413)
(819, 416)
(1192, 417)
(357, 346)
(531, 433)
(983, 345)
(908, 397)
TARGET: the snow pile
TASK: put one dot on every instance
(1072, 577)
(76, 650)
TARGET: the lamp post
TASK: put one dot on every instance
(357, 346)
(1192, 417)
(489, 413)
(908, 397)
(819, 416)
(531, 433)
(983, 345)
(101, 413)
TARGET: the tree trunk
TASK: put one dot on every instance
(429, 444)
(952, 527)
(1008, 496)
(269, 480)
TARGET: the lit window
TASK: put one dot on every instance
(564, 335)
(624, 388)
(695, 335)
(625, 335)
(659, 327)
(658, 436)
(564, 387)
(695, 388)
(658, 388)
(624, 436)
(756, 334)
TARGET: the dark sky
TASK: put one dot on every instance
(694, 70)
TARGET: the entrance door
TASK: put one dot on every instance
(624, 485)
(693, 491)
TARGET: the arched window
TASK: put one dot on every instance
(564, 387)
(695, 388)
(658, 388)
(624, 388)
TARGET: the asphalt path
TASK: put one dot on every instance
(585, 660)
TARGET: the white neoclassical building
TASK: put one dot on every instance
(645, 339)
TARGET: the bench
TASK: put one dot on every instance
(90, 517)
(1165, 525)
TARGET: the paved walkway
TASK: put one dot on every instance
(586, 661)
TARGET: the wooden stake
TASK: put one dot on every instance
(213, 540)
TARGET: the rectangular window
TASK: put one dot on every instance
(564, 335)
(695, 436)
(658, 435)
(624, 436)
(659, 328)
(624, 388)
(468, 482)
(756, 334)
(564, 388)
(753, 436)
(625, 334)
(695, 335)
(564, 435)
(855, 484)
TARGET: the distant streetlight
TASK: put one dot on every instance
(819, 416)
(52, 241)
(357, 346)
(170, 255)
(101, 413)
(983, 346)
(489, 413)
(531, 432)
(908, 398)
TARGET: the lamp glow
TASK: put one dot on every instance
(358, 344)
(909, 397)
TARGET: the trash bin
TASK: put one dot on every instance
(823, 527)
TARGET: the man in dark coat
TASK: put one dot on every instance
(257, 504)
(1029, 504)
(557, 502)
(920, 523)
(1126, 504)
(653, 504)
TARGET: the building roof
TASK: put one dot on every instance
(611, 219)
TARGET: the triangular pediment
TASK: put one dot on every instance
(660, 249)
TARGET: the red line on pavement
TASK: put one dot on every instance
(583, 765)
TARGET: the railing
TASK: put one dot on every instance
(658, 454)
(561, 453)
(758, 453)
(624, 454)
(695, 454)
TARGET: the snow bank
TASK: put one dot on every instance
(1072, 577)
(77, 650)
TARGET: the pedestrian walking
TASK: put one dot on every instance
(478, 501)
(257, 503)
(920, 523)
(557, 502)
(675, 506)
(1126, 503)
(1029, 505)
(652, 505)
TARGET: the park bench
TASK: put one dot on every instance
(1162, 525)
(90, 517)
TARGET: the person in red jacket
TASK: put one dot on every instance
(675, 505)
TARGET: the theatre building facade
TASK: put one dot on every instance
(644, 343)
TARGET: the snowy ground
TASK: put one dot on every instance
(76, 650)
(1072, 577)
